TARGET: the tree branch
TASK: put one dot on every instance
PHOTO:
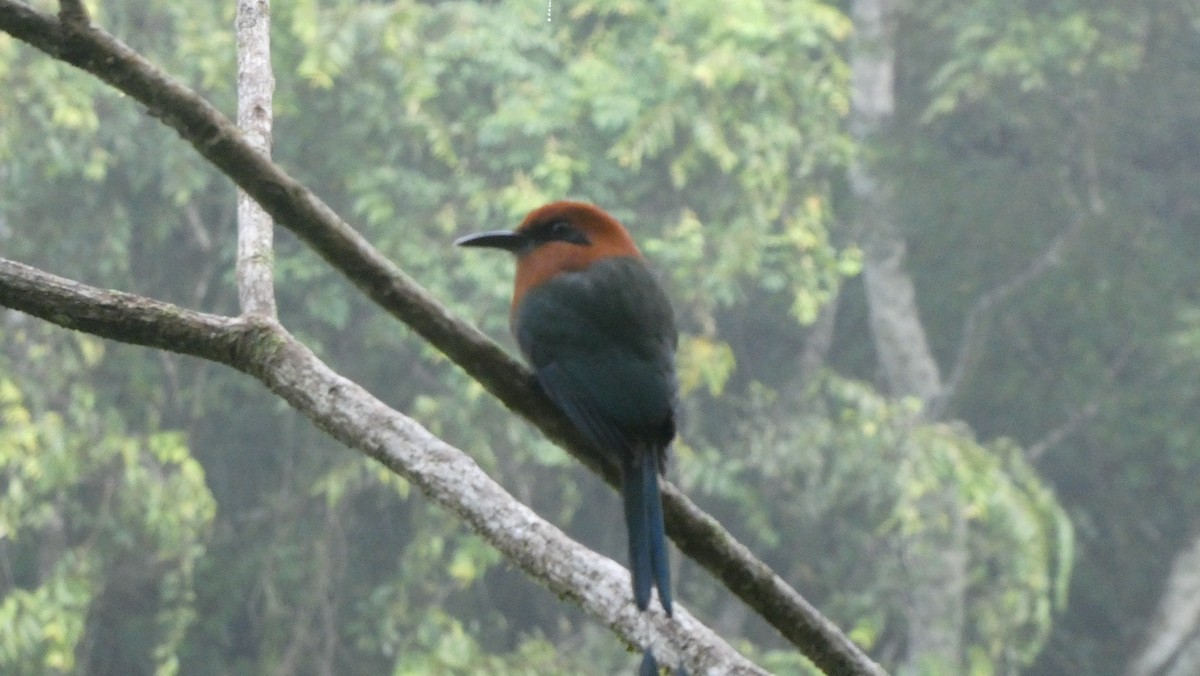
(1053, 255)
(295, 207)
(973, 323)
(261, 347)
(1055, 436)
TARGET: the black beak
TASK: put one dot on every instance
(498, 239)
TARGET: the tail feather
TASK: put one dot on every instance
(647, 537)
(658, 542)
(649, 665)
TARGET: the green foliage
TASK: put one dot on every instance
(716, 132)
(442, 646)
(1020, 540)
(704, 363)
(845, 450)
(1006, 49)
(1028, 119)
(491, 111)
(84, 502)
(40, 628)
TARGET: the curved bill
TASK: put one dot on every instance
(497, 239)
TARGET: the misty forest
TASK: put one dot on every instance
(935, 266)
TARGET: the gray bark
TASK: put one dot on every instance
(907, 363)
(1172, 644)
(256, 85)
(936, 558)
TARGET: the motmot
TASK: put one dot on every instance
(598, 330)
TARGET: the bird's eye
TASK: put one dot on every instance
(564, 231)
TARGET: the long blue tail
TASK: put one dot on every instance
(647, 536)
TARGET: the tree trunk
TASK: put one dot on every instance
(935, 557)
(908, 366)
(1172, 644)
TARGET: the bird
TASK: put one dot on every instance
(598, 330)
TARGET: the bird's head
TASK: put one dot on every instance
(556, 238)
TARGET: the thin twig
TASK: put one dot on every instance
(1083, 413)
(73, 13)
(1055, 436)
(972, 331)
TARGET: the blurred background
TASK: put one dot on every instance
(940, 356)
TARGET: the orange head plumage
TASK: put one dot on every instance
(559, 237)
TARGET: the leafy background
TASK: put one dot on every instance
(164, 515)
